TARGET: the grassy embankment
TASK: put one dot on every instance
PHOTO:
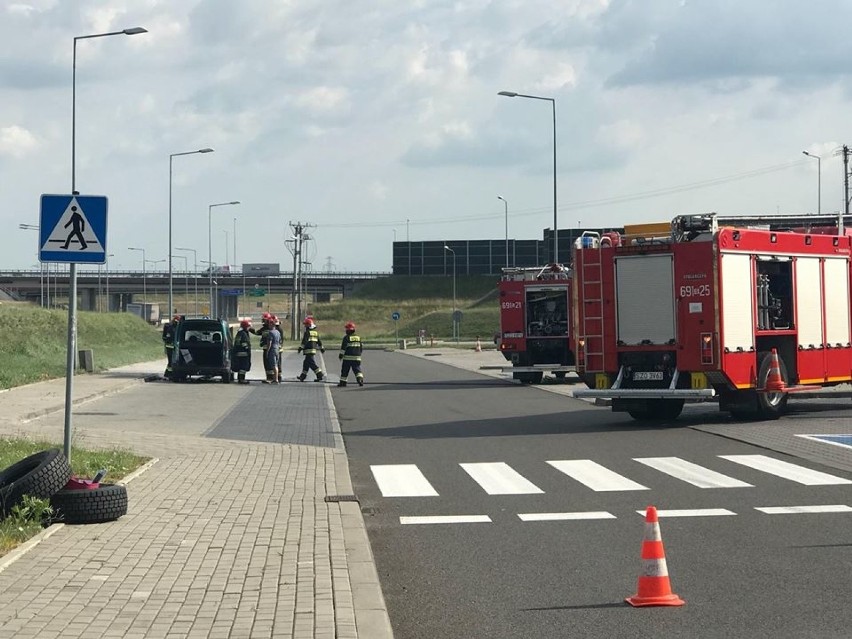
(33, 342)
(423, 303)
(27, 519)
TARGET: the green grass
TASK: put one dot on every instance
(423, 303)
(33, 342)
(26, 520)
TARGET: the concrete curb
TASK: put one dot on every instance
(87, 398)
(371, 613)
(28, 545)
(143, 468)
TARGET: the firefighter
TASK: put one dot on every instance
(271, 342)
(169, 335)
(350, 353)
(241, 352)
(263, 325)
(310, 342)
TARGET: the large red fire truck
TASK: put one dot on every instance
(717, 307)
(535, 316)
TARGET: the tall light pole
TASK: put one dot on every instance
(455, 327)
(71, 353)
(235, 242)
(819, 179)
(36, 227)
(506, 209)
(171, 158)
(195, 272)
(106, 271)
(186, 276)
(144, 280)
(210, 245)
(512, 94)
(227, 258)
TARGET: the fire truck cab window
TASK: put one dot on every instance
(774, 288)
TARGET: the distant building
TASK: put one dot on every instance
(482, 257)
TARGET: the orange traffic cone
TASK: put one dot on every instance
(774, 381)
(478, 347)
(654, 588)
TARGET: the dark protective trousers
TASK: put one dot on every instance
(349, 365)
(310, 363)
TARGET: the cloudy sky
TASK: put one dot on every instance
(375, 119)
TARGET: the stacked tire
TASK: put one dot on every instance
(45, 475)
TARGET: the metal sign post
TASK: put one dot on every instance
(395, 317)
(72, 229)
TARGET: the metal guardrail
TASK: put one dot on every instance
(341, 275)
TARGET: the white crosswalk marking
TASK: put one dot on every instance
(691, 473)
(499, 478)
(402, 480)
(600, 514)
(797, 510)
(786, 470)
(446, 519)
(594, 475)
(692, 512)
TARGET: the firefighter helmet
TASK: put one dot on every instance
(309, 321)
(175, 318)
(350, 326)
(266, 316)
(245, 323)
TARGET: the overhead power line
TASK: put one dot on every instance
(572, 206)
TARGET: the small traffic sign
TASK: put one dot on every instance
(257, 292)
(231, 292)
(395, 316)
(73, 229)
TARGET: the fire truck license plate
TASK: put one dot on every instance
(648, 376)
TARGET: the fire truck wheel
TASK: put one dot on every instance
(658, 410)
(770, 405)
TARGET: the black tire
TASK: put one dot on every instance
(658, 410)
(40, 475)
(528, 378)
(94, 506)
(770, 405)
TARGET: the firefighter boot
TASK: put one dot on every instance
(320, 376)
(342, 382)
(360, 380)
(241, 378)
(302, 377)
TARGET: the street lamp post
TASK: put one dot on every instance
(210, 245)
(70, 358)
(210, 267)
(36, 227)
(512, 94)
(195, 273)
(106, 273)
(455, 323)
(186, 275)
(506, 209)
(819, 179)
(171, 158)
(144, 279)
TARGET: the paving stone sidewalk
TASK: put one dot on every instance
(233, 540)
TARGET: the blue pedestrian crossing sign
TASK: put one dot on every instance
(73, 228)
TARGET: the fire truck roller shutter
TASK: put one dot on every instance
(645, 299)
(837, 301)
(809, 302)
(737, 292)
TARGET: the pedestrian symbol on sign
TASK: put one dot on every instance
(78, 224)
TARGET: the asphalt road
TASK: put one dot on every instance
(743, 574)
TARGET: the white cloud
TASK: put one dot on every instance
(17, 142)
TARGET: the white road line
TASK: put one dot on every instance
(695, 512)
(795, 510)
(786, 470)
(499, 478)
(402, 480)
(446, 519)
(691, 473)
(594, 475)
(565, 516)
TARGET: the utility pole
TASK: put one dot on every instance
(299, 237)
(845, 185)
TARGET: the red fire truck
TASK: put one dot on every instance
(535, 314)
(717, 307)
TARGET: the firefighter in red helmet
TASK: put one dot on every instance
(310, 343)
(350, 353)
(241, 352)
